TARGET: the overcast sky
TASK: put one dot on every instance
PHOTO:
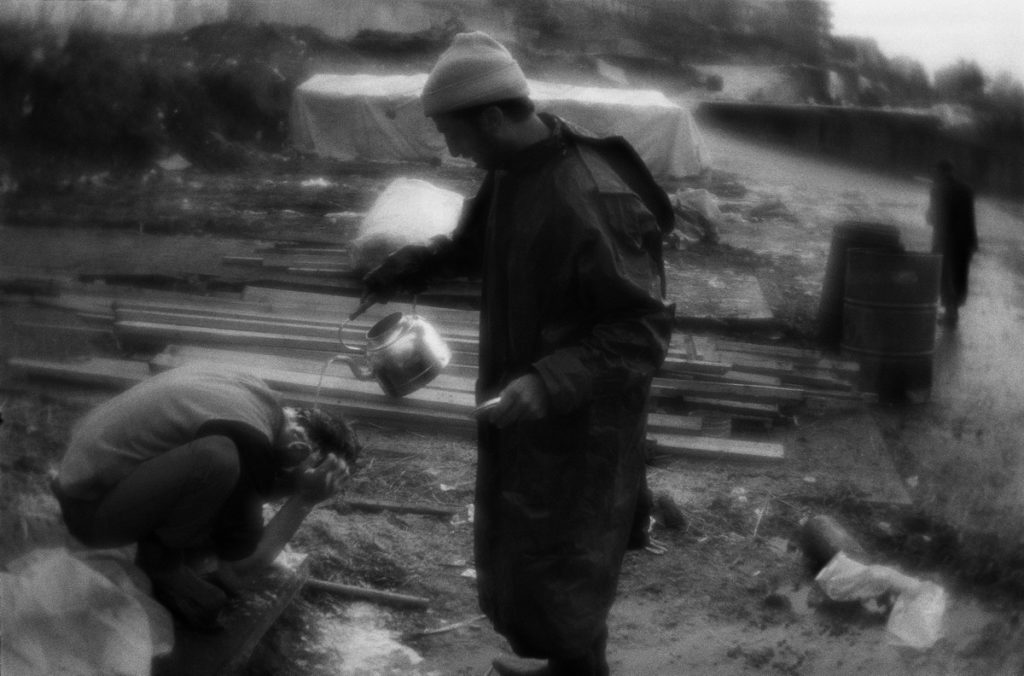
(938, 32)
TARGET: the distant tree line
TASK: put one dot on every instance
(681, 29)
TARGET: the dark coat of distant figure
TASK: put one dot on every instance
(951, 215)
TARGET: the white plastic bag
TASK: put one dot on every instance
(919, 607)
(409, 211)
(698, 217)
(61, 615)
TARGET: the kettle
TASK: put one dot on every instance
(403, 352)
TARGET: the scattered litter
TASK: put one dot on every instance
(760, 511)
(885, 528)
(173, 163)
(810, 480)
(771, 209)
(919, 607)
(656, 547)
(318, 182)
(95, 180)
(697, 215)
(469, 573)
(458, 520)
(778, 545)
(289, 559)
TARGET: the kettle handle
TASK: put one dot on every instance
(343, 346)
(365, 304)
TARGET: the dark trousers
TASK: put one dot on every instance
(594, 663)
(171, 500)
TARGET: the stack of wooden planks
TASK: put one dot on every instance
(287, 338)
(326, 269)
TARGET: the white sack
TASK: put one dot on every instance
(61, 615)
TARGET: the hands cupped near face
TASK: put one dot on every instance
(320, 482)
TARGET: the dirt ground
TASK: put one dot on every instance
(733, 593)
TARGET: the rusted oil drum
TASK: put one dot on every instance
(845, 236)
(889, 314)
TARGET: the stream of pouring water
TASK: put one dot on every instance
(320, 382)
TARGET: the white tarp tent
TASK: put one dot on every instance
(379, 118)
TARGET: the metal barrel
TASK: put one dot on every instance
(889, 314)
(845, 236)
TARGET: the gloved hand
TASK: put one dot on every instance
(525, 398)
(401, 271)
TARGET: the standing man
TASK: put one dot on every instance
(183, 462)
(951, 215)
(566, 234)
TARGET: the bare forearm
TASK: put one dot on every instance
(276, 535)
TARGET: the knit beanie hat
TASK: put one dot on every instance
(476, 69)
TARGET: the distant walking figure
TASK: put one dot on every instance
(951, 215)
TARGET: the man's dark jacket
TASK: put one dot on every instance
(955, 236)
(567, 239)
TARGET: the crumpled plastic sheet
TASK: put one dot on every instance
(409, 211)
(83, 613)
(916, 618)
(698, 215)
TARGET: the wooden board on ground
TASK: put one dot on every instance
(94, 371)
(801, 358)
(150, 333)
(342, 306)
(735, 409)
(718, 449)
(182, 313)
(353, 333)
(119, 374)
(246, 619)
(765, 394)
(178, 355)
(392, 418)
(775, 351)
(343, 385)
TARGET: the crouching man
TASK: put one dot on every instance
(183, 462)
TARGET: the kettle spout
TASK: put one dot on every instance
(359, 370)
(362, 373)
